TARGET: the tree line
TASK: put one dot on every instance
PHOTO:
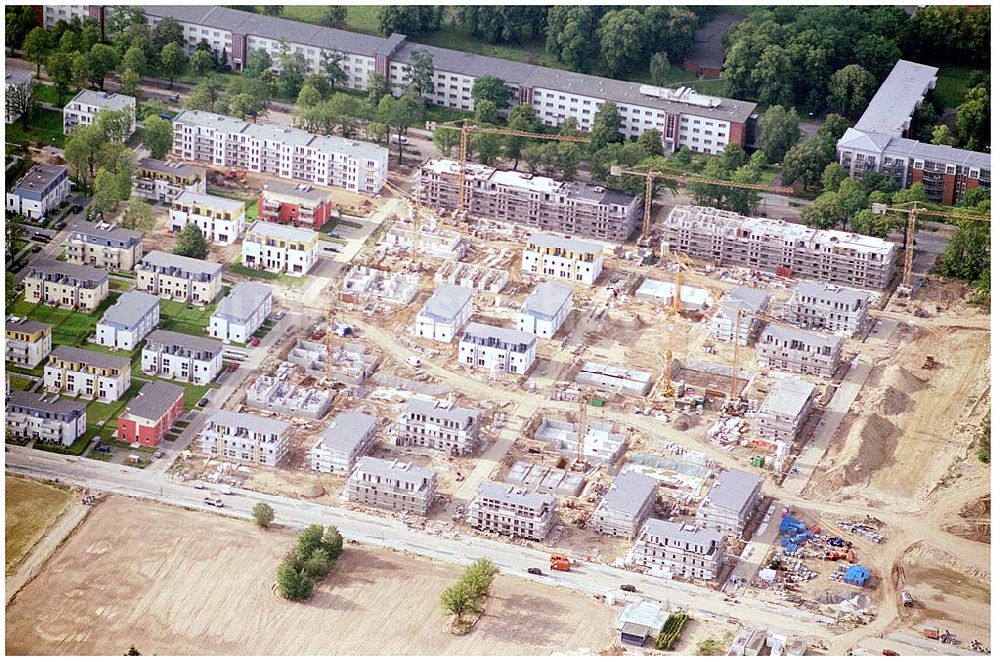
(467, 594)
(315, 553)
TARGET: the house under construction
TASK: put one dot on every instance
(533, 200)
(787, 249)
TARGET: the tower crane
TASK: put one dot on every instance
(913, 210)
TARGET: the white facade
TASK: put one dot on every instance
(830, 308)
(445, 313)
(182, 357)
(679, 550)
(128, 321)
(246, 437)
(496, 349)
(438, 425)
(28, 342)
(39, 192)
(221, 220)
(280, 248)
(87, 374)
(49, 419)
(553, 256)
(240, 313)
(351, 435)
(545, 310)
(85, 106)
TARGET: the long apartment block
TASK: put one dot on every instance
(880, 142)
(626, 506)
(246, 437)
(540, 202)
(548, 255)
(281, 151)
(87, 374)
(102, 246)
(182, 357)
(162, 181)
(678, 549)
(438, 425)
(795, 350)
(784, 411)
(350, 436)
(64, 285)
(179, 278)
(392, 485)
(682, 117)
(512, 511)
(787, 249)
(221, 220)
(280, 248)
(28, 342)
(496, 349)
(47, 418)
(829, 308)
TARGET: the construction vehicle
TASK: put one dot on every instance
(913, 210)
(929, 363)
(559, 562)
(906, 598)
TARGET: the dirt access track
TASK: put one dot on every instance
(176, 582)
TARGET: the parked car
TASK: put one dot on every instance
(279, 315)
(158, 454)
(331, 249)
(103, 448)
(232, 367)
(60, 225)
(203, 402)
(628, 588)
(535, 571)
(398, 140)
(213, 501)
(254, 342)
(36, 248)
(76, 209)
(334, 234)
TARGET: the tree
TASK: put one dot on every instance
(172, 62)
(867, 223)
(19, 22)
(12, 285)
(651, 142)
(106, 194)
(258, 61)
(941, 135)
(22, 101)
(851, 88)
(572, 34)
(833, 128)
(137, 215)
(624, 39)
(263, 514)
(973, 124)
(101, 60)
(606, 127)
(191, 242)
(202, 96)
(458, 600)
(135, 59)
(130, 82)
(318, 564)
(334, 16)
(878, 54)
(82, 150)
(522, 117)
(421, 73)
(659, 68)
(202, 62)
(158, 137)
(395, 18)
(69, 43)
(672, 28)
(486, 113)
(967, 254)
(115, 125)
(778, 130)
(89, 37)
(246, 105)
(320, 83)
(805, 162)
(491, 88)
(294, 68)
(377, 88)
(309, 96)
(333, 542)
(709, 647)
(293, 584)
(732, 157)
(568, 157)
(132, 650)
(331, 62)
(824, 213)
(445, 140)
(59, 67)
(774, 76)
(167, 31)
(400, 114)
(833, 175)
(37, 47)
(480, 575)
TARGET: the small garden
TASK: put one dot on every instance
(671, 632)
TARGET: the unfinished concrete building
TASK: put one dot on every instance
(277, 395)
(351, 363)
(432, 241)
(473, 276)
(675, 549)
(392, 485)
(626, 506)
(829, 308)
(349, 436)
(543, 479)
(525, 199)
(731, 502)
(735, 321)
(784, 411)
(615, 379)
(439, 425)
(366, 284)
(512, 511)
(602, 446)
(701, 379)
(787, 249)
(794, 350)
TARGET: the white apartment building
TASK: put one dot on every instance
(280, 248)
(182, 357)
(162, 181)
(28, 342)
(445, 313)
(240, 313)
(552, 256)
(15, 78)
(512, 511)
(735, 319)
(349, 436)
(829, 308)
(545, 309)
(679, 550)
(783, 412)
(100, 245)
(439, 425)
(221, 220)
(731, 502)
(47, 418)
(496, 349)
(52, 14)
(65, 285)
(39, 192)
(285, 152)
(392, 485)
(246, 438)
(84, 373)
(128, 321)
(179, 278)
(626, 506)
(794, 350)
(85, 106)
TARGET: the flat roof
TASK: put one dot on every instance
(901, 92)
(194, 265)
(566, 242)
(750, 299)
(46, 403)
(89, 357)
(253, 422)
(733, 489)
(629, 492)
(130, 308)
(186, 340)
(440, 409)
(122, 235)
(242, 301)
(395, 470)
(346, 431)
(513, 494)
(302, 191)
(548, 298)
(17, 76)
(807, 337)
(215, 121)
(661, 528)
(170, 167)
(823, 291)
(286, 232)
(512, 336)
(108, 100)
(788, 396)
(39, 177)
(155, 399)
(447, 302)
(211, 201)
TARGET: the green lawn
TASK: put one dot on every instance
(292, 281)
(19, 383)
(69, 327)
(116, 285)
(952, 84)
(184, 318)
(45, 127)
(47, 93)
(192, 392)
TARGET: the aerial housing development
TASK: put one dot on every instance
(532, 330)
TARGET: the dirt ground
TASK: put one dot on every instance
(32, 508)
(182, 583)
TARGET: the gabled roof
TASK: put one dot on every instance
(676, 531)
(89, 357)
(154, 400)
(547, 298)
(629, 492)
(45, 403)
(346, 431)
(242, 301)
(733, 489)
(130, 308)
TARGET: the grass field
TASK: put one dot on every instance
(19, 383)
(952, 84)
(68, 327)
(31, 509)
(291, 281)
(184, 318)
(47, 93)
(45, 127)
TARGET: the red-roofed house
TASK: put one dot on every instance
(151, 413)
(302, 205)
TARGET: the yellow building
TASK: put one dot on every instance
(64, 285)
(88, 374)
(28, 342)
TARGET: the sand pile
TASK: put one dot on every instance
(895, 395)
